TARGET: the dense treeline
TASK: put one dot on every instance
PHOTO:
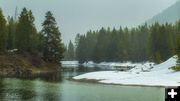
(70, 52)
(144, 43)
(21, 35)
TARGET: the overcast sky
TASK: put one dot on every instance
(79, 16)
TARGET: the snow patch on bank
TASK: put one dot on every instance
(145, 66)
(158, 75)
(70, 63)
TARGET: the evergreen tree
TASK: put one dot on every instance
(144, 43)
(178, 49)
(70, 51)
(81, 50)
(178, 41)
(3, 32)
(65, 53)
(90, 43)
(25, 31)
(11, 33)
(101, 46)
(161, 42)
(34, 36)
(53, 48)
(112, 50)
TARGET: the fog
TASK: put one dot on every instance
(79, 16)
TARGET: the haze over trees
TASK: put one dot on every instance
(169, 15)
(22, 35)
(155, 43)
(3, 32)
(70, 52)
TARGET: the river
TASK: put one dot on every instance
(56, 87)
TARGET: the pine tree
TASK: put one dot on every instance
(80, 50)
(178, 42)
(178, 48)
(11, 33)
(144, 43)
(71, 53)
(112, 50)
(100, 53)
(3, 32)
(34, 36)
(53, 48)
(25, 31)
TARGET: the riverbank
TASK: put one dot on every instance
(12, 65)
(159, 75)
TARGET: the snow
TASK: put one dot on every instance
(70, 63)
(109, 65)
(158, 75)
(90, 64)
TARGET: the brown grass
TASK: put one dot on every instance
(11, 63)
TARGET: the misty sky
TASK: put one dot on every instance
(79, 16)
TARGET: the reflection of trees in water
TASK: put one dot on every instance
(78, 71)
(47, 91)
(31, 88)
(87, 69)
(51, 77)
(1, 89)
(43, 90)
(17, 90)
(41, 87)
(28, 90)
(51, 96)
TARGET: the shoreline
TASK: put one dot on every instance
(146, 79)
(17, 65)
(93, 81)
(159, 75)
(35, 74)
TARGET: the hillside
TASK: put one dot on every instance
(26, 65)
(170, 15)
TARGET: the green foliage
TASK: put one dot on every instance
(22, 35)
(11, 33)
(178, 42)
(144, 43)
(3, 33)
(157, 57)
(161, 41)
(53, 48)
(176, 68)
(70, 52)
(25, 31)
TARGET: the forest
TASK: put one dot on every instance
(156, 43)
(19, 35)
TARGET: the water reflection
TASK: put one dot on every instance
(51, 77)
(1, 89)
(55, 87)
(27, 90)
(41, 87)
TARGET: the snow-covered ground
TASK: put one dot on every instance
(70, 63)
(109, 65)
(158, 75)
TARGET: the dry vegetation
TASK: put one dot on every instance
(26, 65)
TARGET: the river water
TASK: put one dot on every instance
(56, 87)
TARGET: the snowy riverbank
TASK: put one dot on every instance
(109, 65)
(159, 75)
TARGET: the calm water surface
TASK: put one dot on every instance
(56, 88)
